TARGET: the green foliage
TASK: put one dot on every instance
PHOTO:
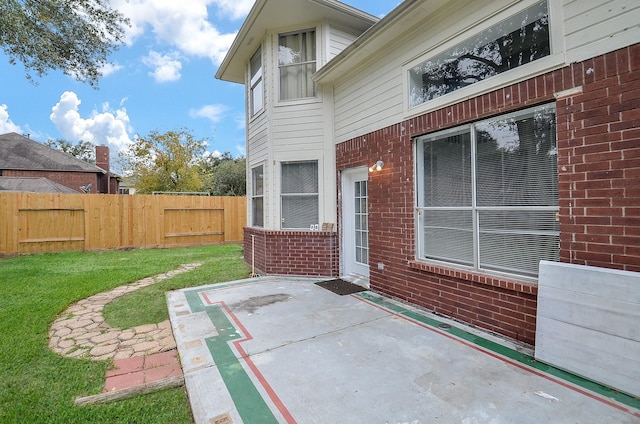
(228, 178)
(38, 385)
(125, 312)
(82, 150)
(74, 36)
(168, 162)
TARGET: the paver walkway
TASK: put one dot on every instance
(81, 331)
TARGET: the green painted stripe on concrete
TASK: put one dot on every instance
(250, 403)
(246, 397)
(506, 352)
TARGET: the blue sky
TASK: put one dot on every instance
(162, 79)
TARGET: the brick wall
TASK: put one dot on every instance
(292, 252)
(599, 163)
(599, 190)
(73, 180)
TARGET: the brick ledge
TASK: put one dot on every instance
(476, 277)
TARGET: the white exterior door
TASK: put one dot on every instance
(355, 223)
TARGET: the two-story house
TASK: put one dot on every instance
(290, 148)
(439, 154)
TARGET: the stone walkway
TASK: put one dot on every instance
(81, 331)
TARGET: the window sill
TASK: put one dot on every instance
(527, 287)
(301, 101)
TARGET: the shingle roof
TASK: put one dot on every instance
(33, 185)
(18, 152)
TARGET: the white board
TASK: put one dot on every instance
(588, 323)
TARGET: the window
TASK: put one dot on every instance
(487, 193)
(256, 96)
(300, 195)
(257, 196)
(297, 63)
(516, 41)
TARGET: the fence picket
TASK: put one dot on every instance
(42, 222)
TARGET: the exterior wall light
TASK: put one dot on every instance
(377, 166)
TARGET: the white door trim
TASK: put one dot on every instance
(351, 269)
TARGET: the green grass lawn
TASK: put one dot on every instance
(40, 386)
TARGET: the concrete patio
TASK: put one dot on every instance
(284, 350)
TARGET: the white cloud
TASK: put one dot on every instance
(235, 9)
(110, 68)
(214, 113)
(106, 127)
(166, 67)
(241, 122)
(6, 124)
(242, 149)
(183, 24)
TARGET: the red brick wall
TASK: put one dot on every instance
(73, 180)
(599, 191)
(292, 252)
(599, 163)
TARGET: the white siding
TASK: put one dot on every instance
(298, 127)
(258, 139)
(373, 96)
(339, 39)
(595, 27)
(374, 102)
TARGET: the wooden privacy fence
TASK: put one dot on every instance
(35, 222)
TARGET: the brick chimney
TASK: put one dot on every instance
(102, 157)
(102, 161)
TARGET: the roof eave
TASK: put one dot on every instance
(250, 36)
(370, 40)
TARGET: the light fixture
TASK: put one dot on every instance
(377, 166)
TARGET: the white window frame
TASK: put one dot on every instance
(256, 85)
(474, 208)
(554, 61)
(317, 36)
(283, 224)
(255, 195)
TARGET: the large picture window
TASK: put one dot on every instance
(514, 42)
(487, 193)
(256, 91)
(297, 63)
(299, 195)
(257, 196)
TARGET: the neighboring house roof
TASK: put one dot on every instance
(33, 185)
(21, 153)
(270, 14)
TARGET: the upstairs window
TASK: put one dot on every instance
(257, 196)
(487, 193)
(256, 91)
(514, 42)
(300, 195)
(297, 63)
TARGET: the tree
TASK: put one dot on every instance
(74, 36)
(82, 150)
(228, 177)
(168, 162)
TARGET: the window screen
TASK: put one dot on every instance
(488, 193)
(297, 63)
(257, 196)
(299, 195)
(511, 43)
(256, 100)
